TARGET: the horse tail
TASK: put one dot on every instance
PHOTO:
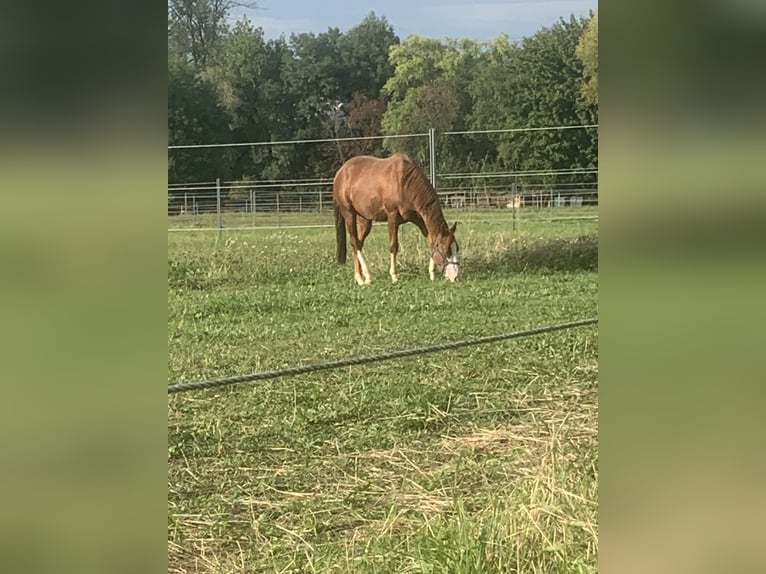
(340, 236)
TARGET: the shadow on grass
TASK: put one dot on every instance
(572, 254)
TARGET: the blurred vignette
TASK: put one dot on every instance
(682, 143)
(82, 249)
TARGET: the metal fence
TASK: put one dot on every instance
(540, 194)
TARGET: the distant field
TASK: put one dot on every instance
(481, 459)
(524, 217)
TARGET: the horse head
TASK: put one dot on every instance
(445, 254)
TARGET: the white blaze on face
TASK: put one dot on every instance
(452, 268)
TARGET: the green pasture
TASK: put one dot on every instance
(481, 459)
(526, 218)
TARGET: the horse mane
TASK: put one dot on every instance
(424, 197)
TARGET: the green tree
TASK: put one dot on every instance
(196, 27)
(233, 85)
(428, 90)
(256, 93)
(364, 51)
(535, 84)
(587, 52)
(237, 74)
(195, 116)
(490, 101)
(363, 120)
(333, 69)
(316, 74)
(313, 77)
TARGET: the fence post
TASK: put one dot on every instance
(432, 156)
(514, 197)
(320, 199)
(218, 205)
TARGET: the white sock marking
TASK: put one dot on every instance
(392, 269)
(365, 270)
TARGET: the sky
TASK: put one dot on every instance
(431, 18)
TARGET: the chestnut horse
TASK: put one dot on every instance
(396, 190)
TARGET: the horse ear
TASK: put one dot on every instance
(452, 229)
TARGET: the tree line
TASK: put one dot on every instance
(227, 83)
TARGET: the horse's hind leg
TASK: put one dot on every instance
(363, 230)
(393, 240)
(361, 273)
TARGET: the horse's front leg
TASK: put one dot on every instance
(362, 273)
(424, 230)
(393, 240)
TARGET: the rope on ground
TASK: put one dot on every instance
(263, 375)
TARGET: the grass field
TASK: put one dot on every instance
(481, 459)
(528, 218)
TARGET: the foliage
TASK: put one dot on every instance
(195, 112)
(536, 84)
(231, 84)
(587, 52)
(365, 120)
(196, 28)
(427, 89)
(364, 52)
(253, 91)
